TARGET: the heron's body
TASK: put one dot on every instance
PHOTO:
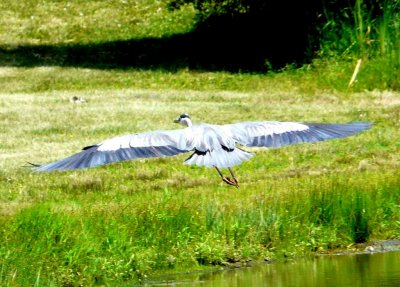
(216, 146)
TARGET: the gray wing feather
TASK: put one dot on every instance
(145, 145)
(277, 134)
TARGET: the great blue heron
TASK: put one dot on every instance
(217, 146)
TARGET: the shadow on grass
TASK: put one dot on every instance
(231, 43)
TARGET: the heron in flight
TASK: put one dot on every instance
(215, 146)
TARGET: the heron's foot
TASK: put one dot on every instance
(230, 181)
(236, 182)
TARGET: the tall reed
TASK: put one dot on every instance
(369, 31)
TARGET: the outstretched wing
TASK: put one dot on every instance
(143, 145)
(277, 134)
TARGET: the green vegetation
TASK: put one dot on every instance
(80, 22)
(134, 219)
(338, 34)
(127, 221)
(367, 31)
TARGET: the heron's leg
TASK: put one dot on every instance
(220, 173)
(226, 179)
(233, 177)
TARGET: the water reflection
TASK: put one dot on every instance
(363, 270)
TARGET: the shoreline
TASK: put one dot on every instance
(372, 247)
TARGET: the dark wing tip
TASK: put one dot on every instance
(32, 164)
(344, 129)
(320, 132)
(90, 146)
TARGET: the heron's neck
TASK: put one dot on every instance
(187, 122)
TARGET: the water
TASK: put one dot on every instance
(363, 270)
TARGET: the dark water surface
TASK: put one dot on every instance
(363, 270)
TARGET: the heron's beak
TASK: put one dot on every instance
(176, 121)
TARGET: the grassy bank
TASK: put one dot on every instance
(128, 221)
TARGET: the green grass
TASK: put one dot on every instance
(81, 22)
(128, 221)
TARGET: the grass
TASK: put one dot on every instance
(82, 22)
(128, 221)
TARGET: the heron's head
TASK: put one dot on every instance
(184, 119)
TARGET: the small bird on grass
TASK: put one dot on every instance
(215, 146)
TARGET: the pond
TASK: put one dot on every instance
(366, 270)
